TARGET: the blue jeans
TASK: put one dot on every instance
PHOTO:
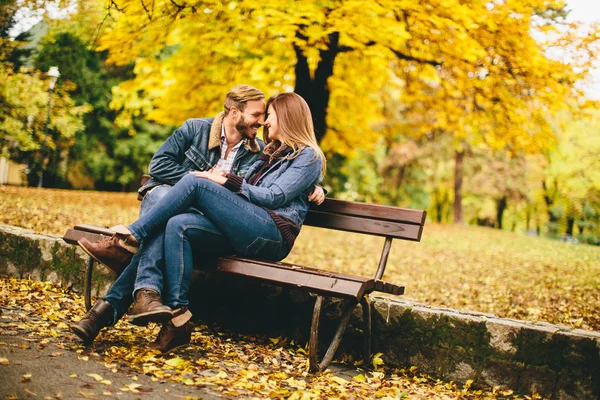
(228, 224)
(145, 268)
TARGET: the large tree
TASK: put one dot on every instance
(476, 71)
(338, 53)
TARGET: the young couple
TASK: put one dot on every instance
(215, 190)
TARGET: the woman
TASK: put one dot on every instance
(258, 217)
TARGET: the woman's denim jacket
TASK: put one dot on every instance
(284, 188)
(195, 146)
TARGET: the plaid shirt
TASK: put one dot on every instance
(226, 163)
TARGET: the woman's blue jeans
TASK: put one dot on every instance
(226, 224)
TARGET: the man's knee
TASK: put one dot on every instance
(153, 196)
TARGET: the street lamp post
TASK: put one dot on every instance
(53, 74)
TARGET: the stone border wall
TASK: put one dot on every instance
(555, 361)
(45, 257)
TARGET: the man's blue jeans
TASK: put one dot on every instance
(228, 223)
(145, 268)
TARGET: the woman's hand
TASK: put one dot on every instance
(216, 176)
(317, 196)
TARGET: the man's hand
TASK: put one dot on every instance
(218, 171)
(213, 176)
(317, 196)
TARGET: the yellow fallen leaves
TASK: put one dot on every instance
(377, 361)
(230, 365)
(132, 388)
(177, 363)
(100, 379)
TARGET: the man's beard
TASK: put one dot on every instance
(246, 130)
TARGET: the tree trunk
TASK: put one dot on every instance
(438, 206)
(458, 181)
(315, 90)
(570, 223)
(549, 199)
(500, 207)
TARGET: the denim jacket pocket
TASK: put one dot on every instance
(197, 158)
(264, 248)
(290, 213)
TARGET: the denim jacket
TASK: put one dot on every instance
(196, 146)
(284, 188)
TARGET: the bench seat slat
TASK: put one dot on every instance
(72, 236)
(94, 229)
(330, 286)
(303, 269)
(364, 225)
(390, 288)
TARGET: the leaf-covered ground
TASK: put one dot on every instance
(482, 269)
(226, 364)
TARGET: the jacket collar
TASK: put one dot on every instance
(214, 139)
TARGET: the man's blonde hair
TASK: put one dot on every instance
(239, 95)
(295, 123)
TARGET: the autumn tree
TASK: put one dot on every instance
(472, 70)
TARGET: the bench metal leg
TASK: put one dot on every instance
(314, 365)
(87, 284)
(366, 311)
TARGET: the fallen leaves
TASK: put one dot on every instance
(100, 379)
(230, 365)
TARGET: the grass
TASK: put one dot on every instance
(462, 267)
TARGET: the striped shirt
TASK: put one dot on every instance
(227, 163)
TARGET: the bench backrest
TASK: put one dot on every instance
(371, 219)
(393, 222)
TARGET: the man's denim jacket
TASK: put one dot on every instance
(196, 146)
(285, 186)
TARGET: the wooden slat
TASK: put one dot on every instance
(72, 236)
(94, 229)
(364, 225)
(357, 209)
(385, 287)
(314, 271)
(330, 286)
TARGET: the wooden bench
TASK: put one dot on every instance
(389, 222)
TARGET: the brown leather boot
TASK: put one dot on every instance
(148, 307)
(176, 333)
(114, 252)
(98, 317)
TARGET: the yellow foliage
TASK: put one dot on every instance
(471, 69)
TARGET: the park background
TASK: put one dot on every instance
(483, 113)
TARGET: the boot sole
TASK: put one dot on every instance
(81, 333)
(174, 348)
(144, 319)
(95, 258)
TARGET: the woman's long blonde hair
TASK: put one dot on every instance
(295, 123)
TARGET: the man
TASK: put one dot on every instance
(228, 142)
